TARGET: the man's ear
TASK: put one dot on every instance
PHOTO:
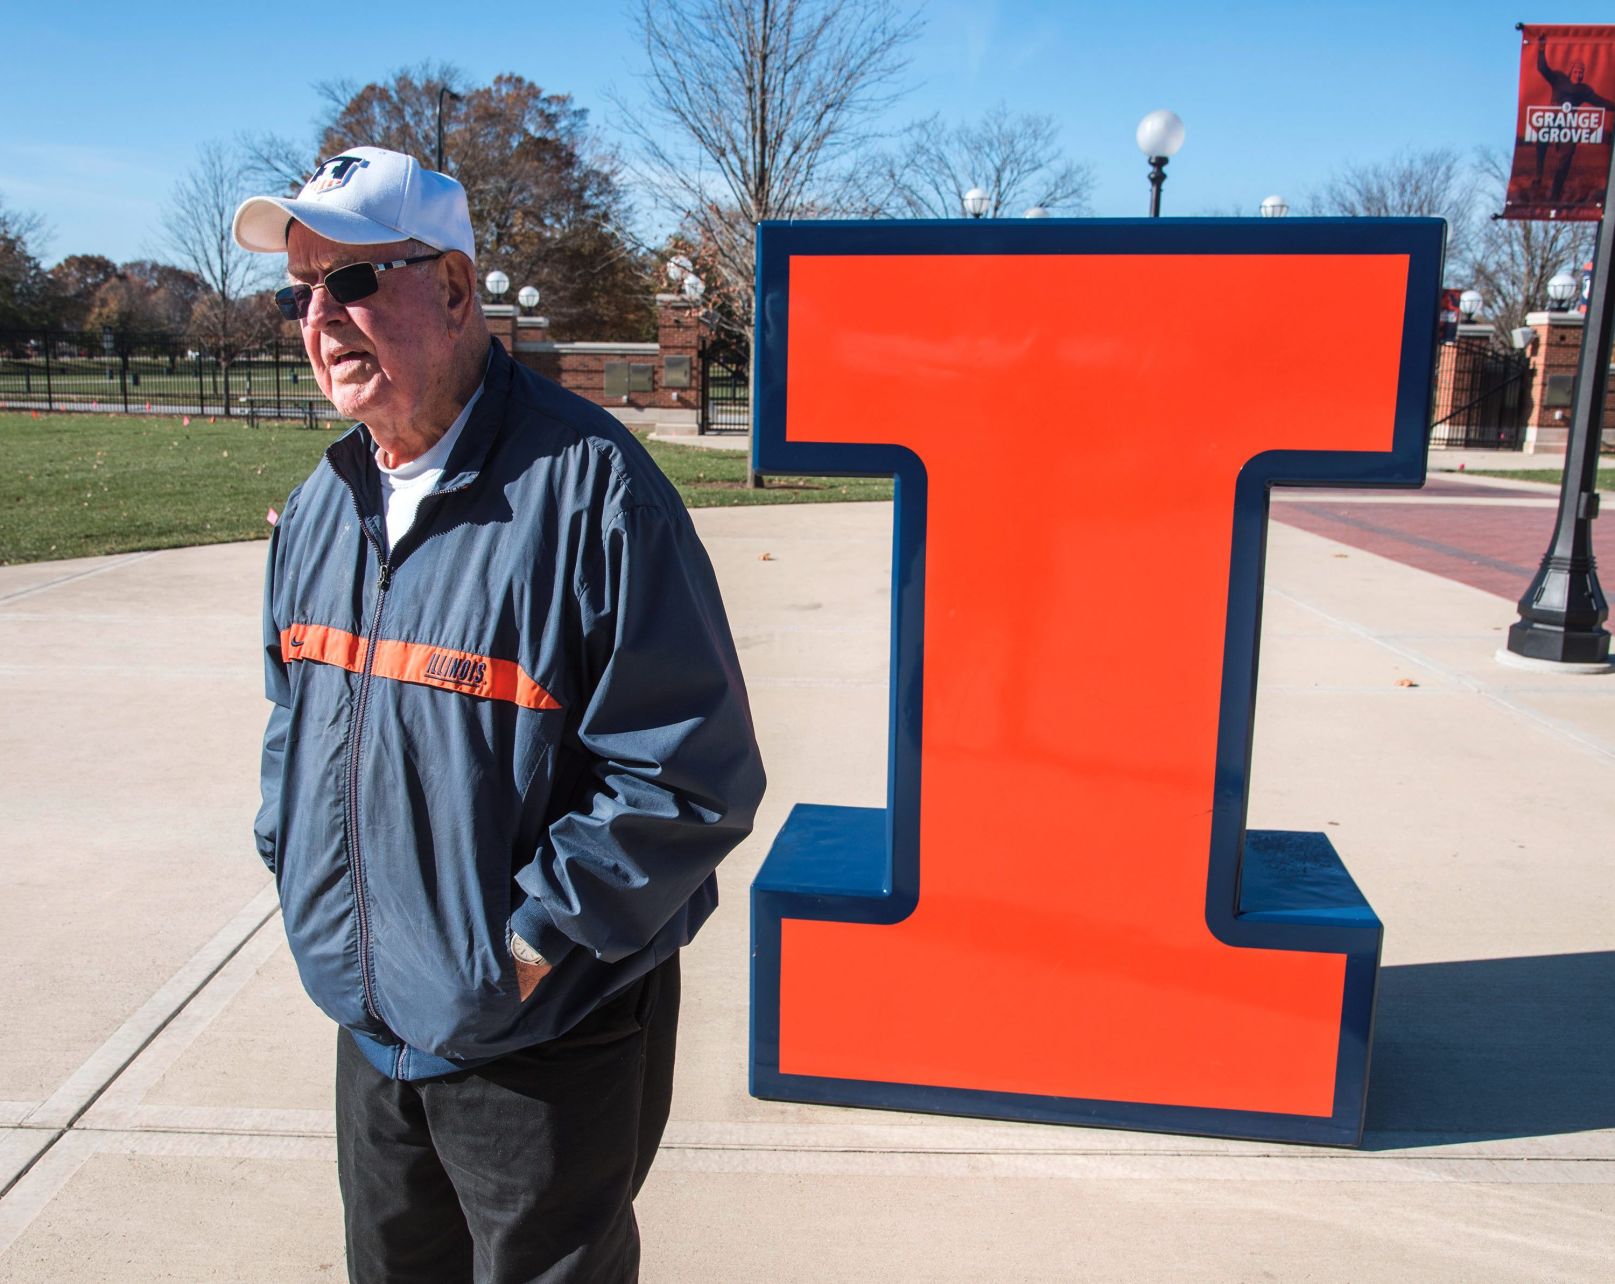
(457, 281)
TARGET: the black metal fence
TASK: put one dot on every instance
(725, 388)
(155, 374)
(1481, 397)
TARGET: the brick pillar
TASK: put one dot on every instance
(679, 331)
(1458, 374)
(1555, 349)
(501, 319)
(1446, 382)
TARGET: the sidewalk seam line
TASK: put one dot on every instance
(69, 1128)
(1552, 725)
(256, 916)
(123, 560)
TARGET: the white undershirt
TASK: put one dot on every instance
(403, 487)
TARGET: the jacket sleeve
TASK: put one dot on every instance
(673, 775)
(277, 687)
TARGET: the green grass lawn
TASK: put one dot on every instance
(87, 485)
(83, 485)
(1606, 476)
(708, 478)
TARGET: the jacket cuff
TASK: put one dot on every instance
(531, 922)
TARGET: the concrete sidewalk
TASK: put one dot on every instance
(1455, 460)
(706, 441)
(165, 1085)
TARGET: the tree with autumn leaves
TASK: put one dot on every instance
(546, 201)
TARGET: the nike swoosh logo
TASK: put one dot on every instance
(297, 641)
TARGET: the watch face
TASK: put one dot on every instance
(523, 952)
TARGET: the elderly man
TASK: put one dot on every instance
(508, 745)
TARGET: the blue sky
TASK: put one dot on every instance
(105, 104)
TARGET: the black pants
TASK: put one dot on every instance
(524, 1169)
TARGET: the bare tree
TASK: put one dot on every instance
(752, 106)
(275, 163)
(1514, 258)
(226, 320)
(1013, 156)
(1434, 184)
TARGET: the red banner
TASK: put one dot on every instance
(1567, 116)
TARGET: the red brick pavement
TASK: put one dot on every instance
(1442, 488)
(1490, 544)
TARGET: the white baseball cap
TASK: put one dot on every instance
(365, 196)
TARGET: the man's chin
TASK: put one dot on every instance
(354, 400)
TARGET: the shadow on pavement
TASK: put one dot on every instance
(1517, 1047)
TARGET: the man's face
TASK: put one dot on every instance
(381, 358)
(1578, 73)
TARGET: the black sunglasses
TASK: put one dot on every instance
(346, 284)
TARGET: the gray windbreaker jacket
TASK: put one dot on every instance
(528, 715)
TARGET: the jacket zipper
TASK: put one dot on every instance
(383, 580)
(366, 979)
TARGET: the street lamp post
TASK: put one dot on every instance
(527, 296)
(977, 202)
(497, 283)
(1561, 289)
(1159, 136)
(1563, 611)
(1275, 207)
(443, 90)
(1469, 304)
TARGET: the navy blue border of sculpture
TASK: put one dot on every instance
(844, 863)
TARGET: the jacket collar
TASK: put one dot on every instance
(465, 461)
(353, 454)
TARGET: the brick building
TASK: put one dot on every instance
(655, 385)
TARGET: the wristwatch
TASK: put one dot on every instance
(522, 952)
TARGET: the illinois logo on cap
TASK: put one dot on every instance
(333, 174)
(364, 196)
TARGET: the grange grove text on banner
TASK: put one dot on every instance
(1562, 135)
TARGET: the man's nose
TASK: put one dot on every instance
(324, 312)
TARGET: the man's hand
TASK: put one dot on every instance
(531, 966)
(528, 975)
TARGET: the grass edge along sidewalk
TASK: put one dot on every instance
(1549, 476)
(96, 484)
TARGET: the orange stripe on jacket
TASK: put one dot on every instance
(432, 666)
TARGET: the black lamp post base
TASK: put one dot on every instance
(1562, 646)
(1562, 614)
